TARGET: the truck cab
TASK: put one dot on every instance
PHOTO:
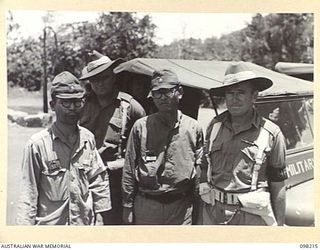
(288, 103)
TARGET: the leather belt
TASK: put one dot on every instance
(229, 198)
(164, 198)
(224, 197)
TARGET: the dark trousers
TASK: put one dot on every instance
(114, 216)
(153, 212)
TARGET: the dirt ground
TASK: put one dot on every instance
(17, 138)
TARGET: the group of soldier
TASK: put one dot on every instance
(104, 162)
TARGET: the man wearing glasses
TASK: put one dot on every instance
(163, 153)
(64, 181)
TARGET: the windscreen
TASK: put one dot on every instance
(294, 117)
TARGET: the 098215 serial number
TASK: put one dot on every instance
(308, 246)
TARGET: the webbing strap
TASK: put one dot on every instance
(125, 106)
(214, 132)
(262, 143)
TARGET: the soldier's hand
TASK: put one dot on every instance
(127, 216)
(117, 164)
(98, 219)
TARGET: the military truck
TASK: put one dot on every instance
(288, 103)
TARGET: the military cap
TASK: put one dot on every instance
(163, 79)
(65, 85)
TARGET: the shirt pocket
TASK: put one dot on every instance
(216, 158)
(54, 183)
(249, 162)
(245, 167)
(82, 169)
(114, 130)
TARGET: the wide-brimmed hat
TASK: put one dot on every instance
(163, 79)
(66, 86)
(239, 72)
(97, 66)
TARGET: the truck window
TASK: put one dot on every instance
(294, 117)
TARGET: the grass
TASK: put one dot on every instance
(22, 100)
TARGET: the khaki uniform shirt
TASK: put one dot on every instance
(106, 123)
(62, 183)
(232, 155)
(160, 158)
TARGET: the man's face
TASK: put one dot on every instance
(167, 99)
(240, 98)
(103, 83)
(67, 110)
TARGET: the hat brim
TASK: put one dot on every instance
(101, 68)
(261, 83)
(163, 86)
(70, 95)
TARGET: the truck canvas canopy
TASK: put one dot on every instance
(209, 74)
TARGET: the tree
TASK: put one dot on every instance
(24, 64)
(279, 37)
(115, 34)
(265, 41)
(13, 32)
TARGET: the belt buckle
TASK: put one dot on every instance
(225, 197)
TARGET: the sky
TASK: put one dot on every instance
(170, 26)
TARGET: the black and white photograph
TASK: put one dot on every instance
(123, 119)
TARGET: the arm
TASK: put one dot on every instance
(136, 111)
(277, 175)
(198, 157)
(128, 176)
(99, 184)
(204, 162)
(278, 200)
(28, 197)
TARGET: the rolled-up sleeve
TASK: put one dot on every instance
(128, 176)
(28, 197)
(99, 184)
(277, 159)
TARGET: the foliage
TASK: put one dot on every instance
(116, 34)
(279, 37)
(24, 64)
(265, 41)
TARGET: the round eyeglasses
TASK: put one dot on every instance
(66, 103)
(163, 92)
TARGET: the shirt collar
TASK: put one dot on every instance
(177, 124)
(57, 133)
(255, 120)
(115, 96)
